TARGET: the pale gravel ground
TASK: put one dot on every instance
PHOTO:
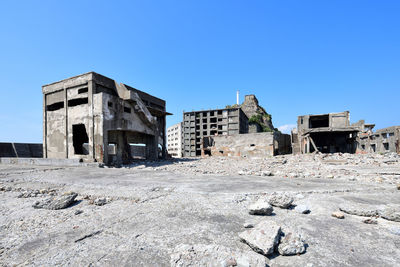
(157, 206)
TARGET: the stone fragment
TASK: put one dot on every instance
(338, 214)
(56, 203)
(291, 244)
(100, 201)
(280, 200)
(359, 209)
(260, 208)
(214, 256)
(263, 238)
(303, 209)
(248, 225)
(398, 186)
(77, 212)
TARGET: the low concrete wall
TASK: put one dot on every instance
(21, 150)
(251, 145)
(45, 162)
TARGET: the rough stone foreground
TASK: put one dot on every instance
(157, 207)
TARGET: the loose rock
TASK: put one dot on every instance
(391, 214)
(280, 200)
(260, 208)
(56, 203)
(291, 244)
(263, 238)
(303, 209)
(338, 214)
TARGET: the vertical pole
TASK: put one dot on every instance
(237, 97)
(44, 126)
(91, 86)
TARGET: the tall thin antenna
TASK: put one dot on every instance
(237, 97)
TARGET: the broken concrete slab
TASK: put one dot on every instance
(263, 238)
(281, 200)
(261, 207)
(291, 244)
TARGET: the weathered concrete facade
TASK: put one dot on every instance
(174, 140)
(251, 144)
(200, 125)
(383, 140)
(93, 118)
(326, 133)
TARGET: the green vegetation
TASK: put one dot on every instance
(232, 106)
(259, 119)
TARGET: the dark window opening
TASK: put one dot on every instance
(221, 151)
(301, 121)
(110, 104)
(80, 139)
(252, 145)
(363, 147)
(212, 113)
(386, 146)
(127, 110)
(319, 121)
(205, 133)
(55, 106)
(373, 147)
(204, 120)
(77, 102)
(82, 90)
(213, 120)
(219, 112)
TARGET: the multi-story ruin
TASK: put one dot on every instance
(94, 118)
(380, 141)
(174, 140)
(326, 133)
(198, 126)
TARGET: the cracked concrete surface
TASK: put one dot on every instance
(163, 205)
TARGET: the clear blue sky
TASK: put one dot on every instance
(297, 57)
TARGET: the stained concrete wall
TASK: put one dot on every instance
(251, 145)
(98, 105)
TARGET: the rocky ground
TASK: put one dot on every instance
(309, 210)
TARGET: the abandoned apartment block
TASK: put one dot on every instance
(200, 126)
(326, 133)
(383, 140)
(93, 118)
(174, 140)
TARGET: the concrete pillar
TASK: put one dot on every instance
(66, 120)
(91, 88)
(44, 127)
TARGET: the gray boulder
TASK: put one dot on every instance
(214, 256)
(263, 238)
(260, 208)
(291, 244)
(56, 203)
(280, 200)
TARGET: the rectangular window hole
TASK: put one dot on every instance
(127, 110)
(82, 90)
(77, 102)
(55, 106)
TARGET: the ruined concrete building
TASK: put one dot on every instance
(174, 140)
(93, 118)
(198, 126)
(326, 133)
(383, 140)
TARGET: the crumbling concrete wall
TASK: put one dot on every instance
(251, 145)
(90, 116)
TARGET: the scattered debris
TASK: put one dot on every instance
(359, 209)
(213, 255)
(101, 201)
(370, 221)
(391, 214)
(248, 225)
(77, 212)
